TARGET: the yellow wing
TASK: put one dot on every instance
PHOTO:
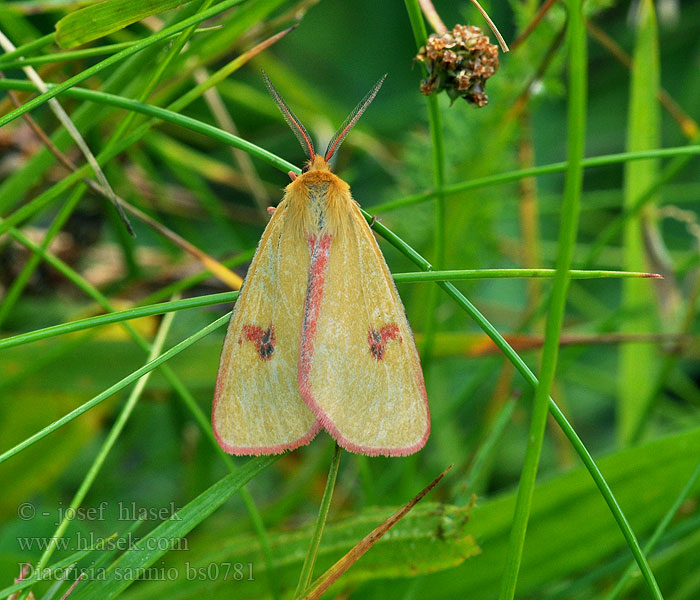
(257, 408)
(359, 369)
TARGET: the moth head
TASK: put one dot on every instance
(318, 162)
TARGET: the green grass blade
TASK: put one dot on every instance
(658, 532)
(91, 71)
(58, 567)
(279, 163)
(567, 516)
(125, 79)
(637, 299)
(529, 376)
(189, 282)
(576, 136)
(225, 297)
(485, 452)
(435, 537)
(669, 173)
(27, 49)
(117, 317)
(171, 116)
(15, 290)
(60, 57)
(172, 378)
(469, 274)
(559, 167)
(107, 445)
(431, 538)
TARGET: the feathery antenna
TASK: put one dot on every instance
(292, 121)
(349, 123)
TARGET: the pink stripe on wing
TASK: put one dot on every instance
(320, 252)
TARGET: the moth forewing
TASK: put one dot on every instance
(257, 408)
(359, 369)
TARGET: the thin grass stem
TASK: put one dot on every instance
(307, 569)
(576, 135)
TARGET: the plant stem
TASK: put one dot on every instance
(307, 569)
(576, 127)
(438, 156)
(433, 17)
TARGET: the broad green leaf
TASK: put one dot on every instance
(97, 20)
(432, 537)
(146, 551)
(571, 530)
(643, 133)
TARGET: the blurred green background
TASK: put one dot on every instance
(629, 348)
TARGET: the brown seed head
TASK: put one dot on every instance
(459, 62)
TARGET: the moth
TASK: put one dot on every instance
(318, 338)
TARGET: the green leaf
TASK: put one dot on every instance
(132, 564)
(101, 19)
(643, 133)
(571, 530)
(431, 538)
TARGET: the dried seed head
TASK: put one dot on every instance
(449, 59)
(459, 62)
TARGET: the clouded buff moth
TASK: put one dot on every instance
(319, 338)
